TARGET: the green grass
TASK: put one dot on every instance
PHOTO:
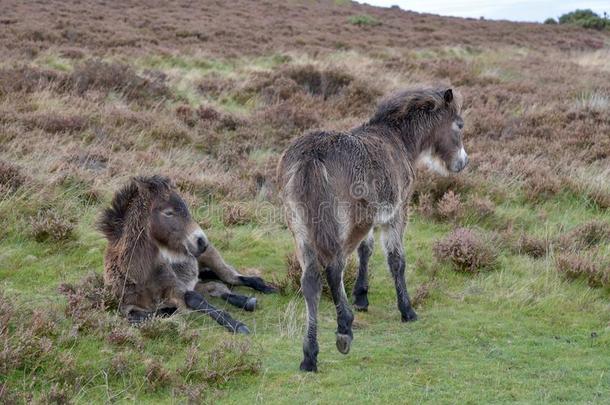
(364, 20)
(517, 334)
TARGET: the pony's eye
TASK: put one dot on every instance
(168, 213)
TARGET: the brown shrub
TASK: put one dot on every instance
(120, 364)
(425, 205)
(422, 293)
(59, 394)
(540, 183)
(231, 358)
(57, 123)
(229, 122)
(155, 328)
(207, 113)
(214, 85)
(99, 75)
(122, 336)
(157, 376)
(436, 186)
(49, 225)
(468, 251)
(596, 193)
(573, 266)
(11, 176)
(532, 246)
(24, 342)
(292, 281)
(586, 235)
(290, 118)
(28, 79)
(279, 90)
(87, 298)
(482, 207)
(325, 83)
(358, 99)
(450, 207)
(186, 114)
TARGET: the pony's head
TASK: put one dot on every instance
(443, 150)
(430, 123)
(152, 206)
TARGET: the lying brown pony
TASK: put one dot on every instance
(159, 260)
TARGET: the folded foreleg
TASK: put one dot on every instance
(212, 261)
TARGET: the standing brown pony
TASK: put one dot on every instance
(337, 186)
(157, 255)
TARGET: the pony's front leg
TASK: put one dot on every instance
(216, 289)
(392, 235)
(212, 259)
(195, 301)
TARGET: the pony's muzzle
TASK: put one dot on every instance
(197, 242)
(460, 163)
(202, 244)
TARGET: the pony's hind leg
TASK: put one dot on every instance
(311, 285)
(195, 301)
(345, 317)
(361, 288)
(220, 290)
(392, 235)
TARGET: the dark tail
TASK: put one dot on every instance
(318, 203)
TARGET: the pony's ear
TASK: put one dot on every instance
(448, 96)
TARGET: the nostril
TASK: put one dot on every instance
(201, 243)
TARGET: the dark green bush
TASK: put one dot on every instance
(586, 19)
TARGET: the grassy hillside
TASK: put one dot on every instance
(209, 94)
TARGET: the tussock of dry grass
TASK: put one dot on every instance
(11, 176)
(49, 225)
(574, 266)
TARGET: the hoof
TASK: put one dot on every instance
(308, 366)
(410, 316)
(242, 329)
(344, 343)
(250, 304)
(269, 289)
(361, 304)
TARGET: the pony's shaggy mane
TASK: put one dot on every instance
(415, 105)
(112, 220)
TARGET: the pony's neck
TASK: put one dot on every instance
(411, 136)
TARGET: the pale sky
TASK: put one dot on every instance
(515, 10)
